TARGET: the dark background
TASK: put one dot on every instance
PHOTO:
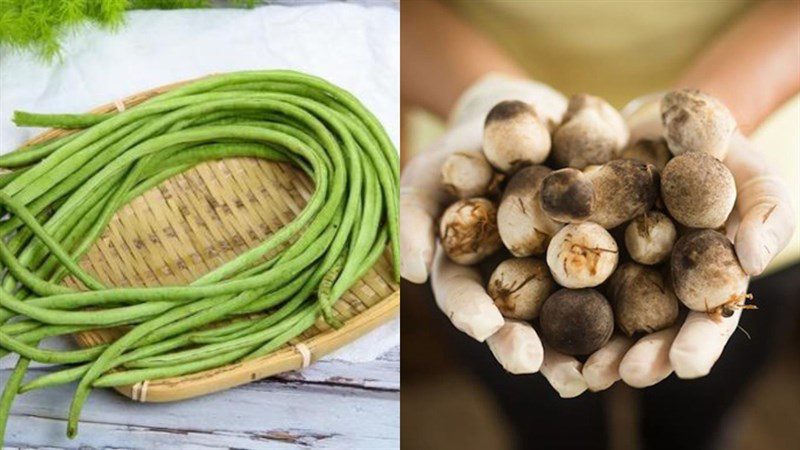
(454, 395)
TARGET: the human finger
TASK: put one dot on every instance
(563, 372)
(517, 347)
(647, 361)
(767, 219)
(422, 197)
(460, 294)
(700, 342)
(601, 370)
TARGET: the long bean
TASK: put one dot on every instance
(61, 194)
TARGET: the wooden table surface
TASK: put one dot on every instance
(332, 404)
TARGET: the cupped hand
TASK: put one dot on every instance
(422, 196)
(760, 227)
(461, 295)
(459, 290)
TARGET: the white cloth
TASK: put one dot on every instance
(353, 46)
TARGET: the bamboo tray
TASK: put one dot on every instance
(196, 221)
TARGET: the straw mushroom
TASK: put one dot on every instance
(623, 189)
(650, 237)
(576, 322)
(468, 230)
(592, 132)
(567, 195)
(469, 174)
(582, 255)
(524, 228)
(696, 122)
(642, 301)
(649, 151)
(514, 137)
(519, 287)
(698, 190)
(707, 275)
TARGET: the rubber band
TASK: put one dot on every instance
(139, 391)
(135, 389)
(305, 352)
(143, 392)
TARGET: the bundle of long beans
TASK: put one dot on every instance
(61, 194)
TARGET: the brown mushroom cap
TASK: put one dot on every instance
(514, 137)
(576, 322)
(592, 132)
(567, 195)
(706, 273)
(643, 302)
(623, 189)
(696, 122)
(698, 190)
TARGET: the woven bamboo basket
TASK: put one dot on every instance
(200, 219)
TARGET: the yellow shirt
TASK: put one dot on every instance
(617, 50)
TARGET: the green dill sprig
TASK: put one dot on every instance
(39, 25)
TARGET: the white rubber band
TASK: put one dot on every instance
(135, 389)
(139, 391)
(143, 392)
(120, 105)
(305, 352)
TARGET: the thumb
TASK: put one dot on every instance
(767, 218)
(422, 196)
